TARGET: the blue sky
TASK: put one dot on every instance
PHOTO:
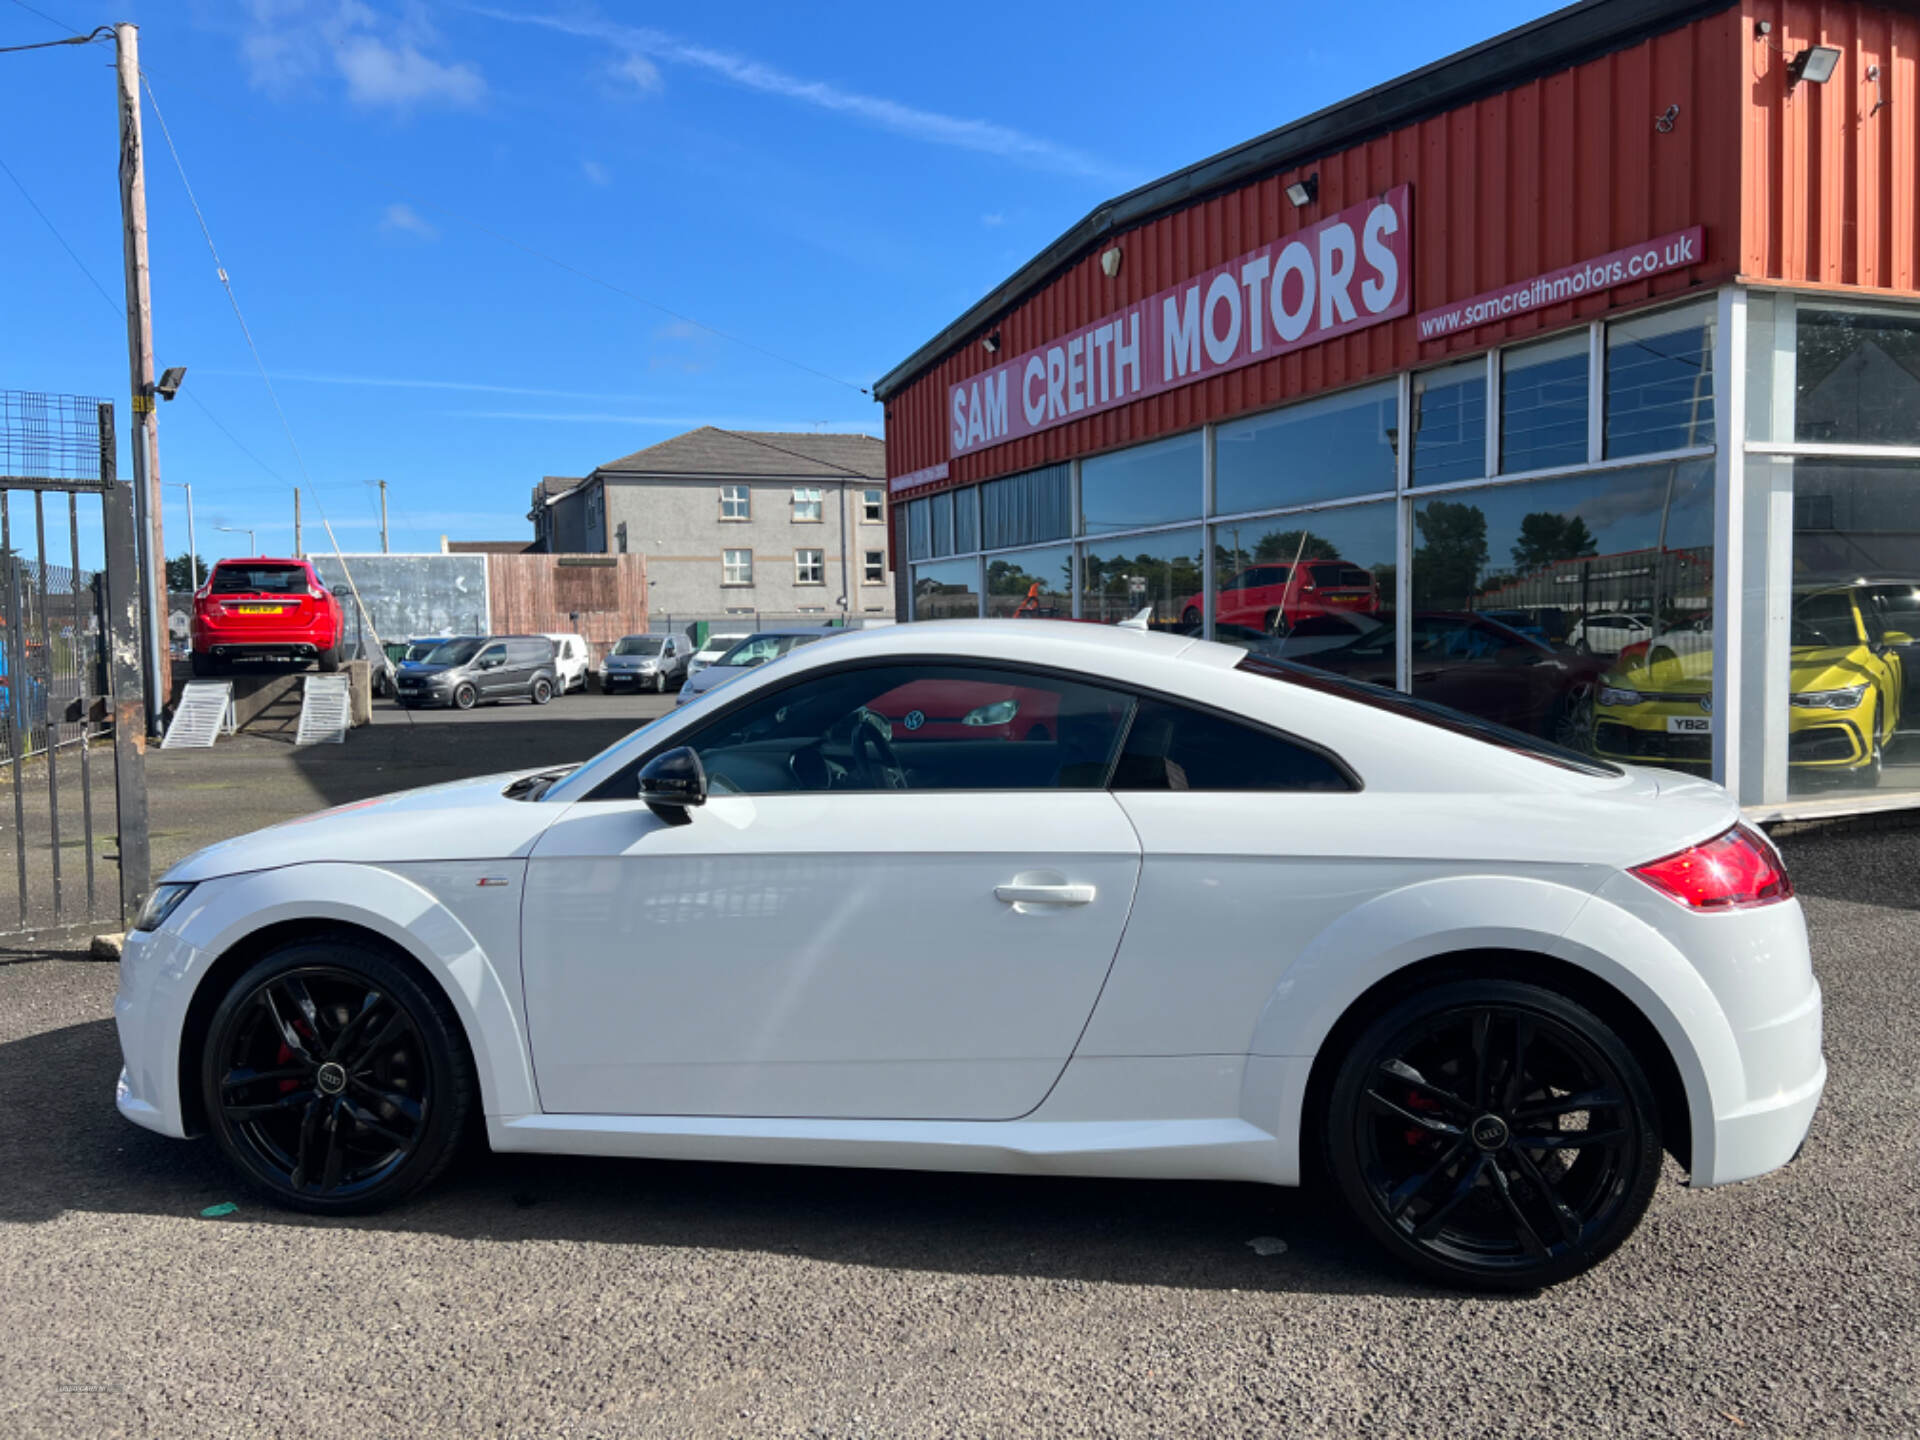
(383, 180)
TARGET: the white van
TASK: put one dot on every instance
(571, 661)
(716, 646)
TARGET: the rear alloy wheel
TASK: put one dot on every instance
(464, 696)
(1494, 1134)
(333, 1080)
(542, 690)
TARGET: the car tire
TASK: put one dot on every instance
(1190, 616)
(377, 1121)
(330, 659)
(542, 691)
(465, 696)
(1434, 1134)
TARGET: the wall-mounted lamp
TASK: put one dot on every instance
(1305, 191)
(1110, 261)
(991, 344)
(1815, 64)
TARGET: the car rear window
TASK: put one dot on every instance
(1426, 712)
(1349, 575)
(258, 580)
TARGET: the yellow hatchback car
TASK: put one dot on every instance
(1845, 675)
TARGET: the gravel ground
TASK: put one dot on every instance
(545, 1298)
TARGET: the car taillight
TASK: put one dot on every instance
(1732, 871)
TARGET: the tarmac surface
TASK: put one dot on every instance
(557, 1298)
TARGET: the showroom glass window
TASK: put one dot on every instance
(966, 520)
(1315, 586)
(947, 590)
(1576, 609)
(1543, 403)
(1327, 449)
(919, 530)
(940, 511)
(1659, 387)
(1158, 573)
(1031, 584)
(1857, 376)
(1027, 508)
(1147, 485)
(1450, 423)
(917, 726)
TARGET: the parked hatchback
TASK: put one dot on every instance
(710, 653)
(750, 654)
(646, 662)
(264, 609)
(470, 670)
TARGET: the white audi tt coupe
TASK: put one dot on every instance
(1034, 897)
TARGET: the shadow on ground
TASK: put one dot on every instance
(1867, 861)
(64, 1148)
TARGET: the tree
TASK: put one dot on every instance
(181, 572)
(1546, 537)
(1451, 555)
(1283, 545)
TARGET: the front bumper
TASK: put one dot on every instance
(1816, 739)
(149, 1012)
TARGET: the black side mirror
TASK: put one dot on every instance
(672, 782)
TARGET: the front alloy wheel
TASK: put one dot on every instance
(464, 697)
(1494, 1134)
(332, 1080)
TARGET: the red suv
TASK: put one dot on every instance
(262, 609)
(1270, 597)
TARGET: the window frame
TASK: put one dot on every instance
(726, 566)
(873, 506)
(819, 565)
(873, 567)
(628, 773)
(809, 495)
(744, 500)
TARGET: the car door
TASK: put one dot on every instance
(489, 668)
(832, 934)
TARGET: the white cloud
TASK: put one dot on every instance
(384, 60)
(651, 47)
(596, 172)
(639, 71)
(404, 218)
(993, 220)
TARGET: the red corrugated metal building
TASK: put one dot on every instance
(1640, 280)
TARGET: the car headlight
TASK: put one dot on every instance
(164, 900)
(1000, 712)
(1619, 695)
(1831, 699)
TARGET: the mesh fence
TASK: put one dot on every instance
(49, 437)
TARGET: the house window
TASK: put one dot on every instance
(736, 503)
(806, 503)
(809, 567)
(876, 568)
(620, 537)
(873, 507)
(736, 567)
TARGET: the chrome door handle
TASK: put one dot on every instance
(1045, 894)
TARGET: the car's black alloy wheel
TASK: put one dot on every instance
(333, 1080)
(1494, 1134)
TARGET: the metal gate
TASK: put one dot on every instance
(72, 727)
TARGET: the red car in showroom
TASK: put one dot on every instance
(1270, 597)
(264, 609)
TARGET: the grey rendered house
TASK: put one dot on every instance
(737, 523)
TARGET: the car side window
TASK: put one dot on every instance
(1173, 747)
(917, 726)
(491, 653)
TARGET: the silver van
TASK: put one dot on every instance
(469, 670)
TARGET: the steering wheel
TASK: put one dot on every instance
(870, 739)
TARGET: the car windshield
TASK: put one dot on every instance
(1427, 713)
(640, 645)
(455, 652)
(762, 648)
(1824, 619)
(421, 649)
(258, 580)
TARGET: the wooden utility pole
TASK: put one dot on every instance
(297, 551)
(146, 430)
(383, 515)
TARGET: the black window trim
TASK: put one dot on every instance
(1129, 691)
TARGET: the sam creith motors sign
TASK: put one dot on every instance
(1349, 271)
